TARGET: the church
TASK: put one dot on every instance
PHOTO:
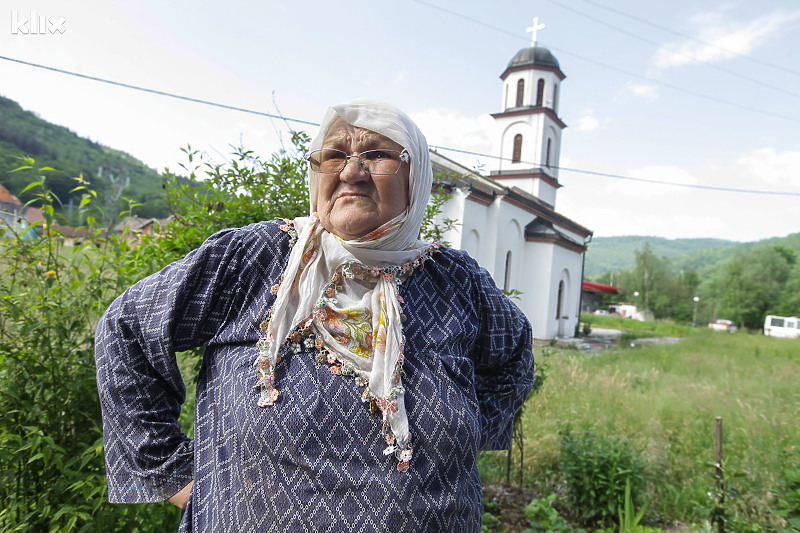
(507, 220)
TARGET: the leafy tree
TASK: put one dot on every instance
(789, 300)
(751, 285)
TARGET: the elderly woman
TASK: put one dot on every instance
(351, 372)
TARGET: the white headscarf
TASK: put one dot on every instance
(329, 282)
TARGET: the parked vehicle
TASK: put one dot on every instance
(723, 325)
(782, 326)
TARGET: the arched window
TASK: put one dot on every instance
(507, 277)
(547, 155)
(555, 98)
(520, 92)
(516, 157)
(559, 299)
(540, 92)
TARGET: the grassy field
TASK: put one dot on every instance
(664, 400)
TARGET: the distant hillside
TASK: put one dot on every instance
(615, 254)
(22, 133)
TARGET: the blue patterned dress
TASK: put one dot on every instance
(314, 461)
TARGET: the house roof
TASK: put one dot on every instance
(6, 196)
(593, 286)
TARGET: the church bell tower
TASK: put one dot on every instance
(527, 133)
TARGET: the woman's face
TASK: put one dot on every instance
(352, 203)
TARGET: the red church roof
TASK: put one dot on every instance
(599, 287)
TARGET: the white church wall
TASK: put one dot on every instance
(554, 136)
(479, 222)
(536, 300)
(570, 268)
(454, 209)
(471, 243)
(508, 253)
(529, 129)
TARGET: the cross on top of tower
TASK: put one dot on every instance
(534, 30)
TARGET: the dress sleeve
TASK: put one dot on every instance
(504, 365)
(148, 457)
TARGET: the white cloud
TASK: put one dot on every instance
(721, 39)
(588, 122)
(643, 90)
(771, 167)
(450, 128)
(640, 185)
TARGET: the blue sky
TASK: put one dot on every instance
(705, 93)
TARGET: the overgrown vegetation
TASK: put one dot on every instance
(597, 470)
(52, 476)
(662, 401)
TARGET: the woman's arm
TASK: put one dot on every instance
(148, 458)
(504, 365)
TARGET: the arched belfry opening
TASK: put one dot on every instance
(539, 92)
(516, 156)
(520, 93)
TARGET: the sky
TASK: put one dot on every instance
(681, 116)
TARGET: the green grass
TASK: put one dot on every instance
(664, 400)
(635, 328)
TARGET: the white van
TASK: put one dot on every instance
(782, 326)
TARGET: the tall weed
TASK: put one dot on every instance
(597, 470)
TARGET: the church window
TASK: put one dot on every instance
(547, 156)
(540, 92)
(520, 92)
(559, 299)
(516, 157)
(507, 277)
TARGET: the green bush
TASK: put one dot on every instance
(787, 495)
(52, 472)
(544, 518)
(596, 470)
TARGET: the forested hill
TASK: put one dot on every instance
(22, 133)
(615, 254)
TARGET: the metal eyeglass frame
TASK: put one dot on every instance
(404, 156)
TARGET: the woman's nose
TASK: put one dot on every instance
(353, 170)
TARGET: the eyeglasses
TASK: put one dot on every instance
(376, 162)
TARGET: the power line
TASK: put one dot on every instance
(631, 178)
(155, 91)
(657, 45)
(289, 119)
(615, 69)
(700, 41)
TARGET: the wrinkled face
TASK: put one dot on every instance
(351, 203)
